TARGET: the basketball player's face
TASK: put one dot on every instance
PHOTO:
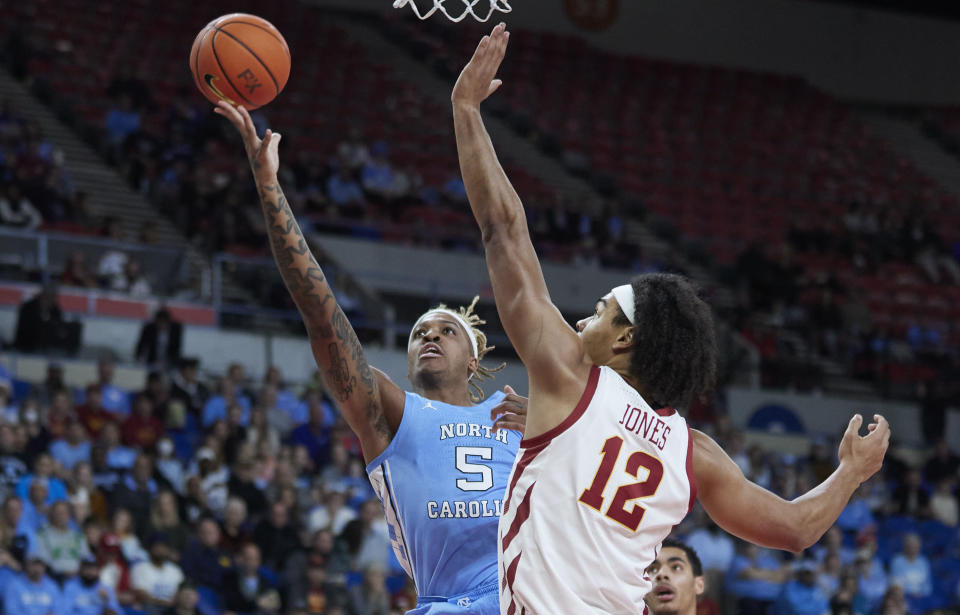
(675, 588)
(439, 346)
(598, 333)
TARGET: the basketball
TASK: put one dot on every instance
(240, 58)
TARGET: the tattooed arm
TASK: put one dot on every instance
(369, 401)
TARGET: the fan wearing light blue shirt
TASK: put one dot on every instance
(437, 463)
(73, 448)
(86, 595)
(33, 593)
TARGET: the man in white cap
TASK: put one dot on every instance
(607, 465)
(438, 465)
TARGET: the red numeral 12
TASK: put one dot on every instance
(593, 495)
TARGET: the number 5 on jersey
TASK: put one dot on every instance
(485, 480)
(593, 495)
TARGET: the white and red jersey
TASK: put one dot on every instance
(589, 503)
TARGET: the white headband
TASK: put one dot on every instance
(624, 296)
(463, 323)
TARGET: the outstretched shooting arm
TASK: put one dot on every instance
(369, 401)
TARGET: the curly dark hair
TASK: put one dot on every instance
(692, 556)
(674, 351)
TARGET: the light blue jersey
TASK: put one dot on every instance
(442, 481)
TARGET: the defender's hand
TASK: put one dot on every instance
(262, 153)
(864, 454)
(511, 413)
(477, 80)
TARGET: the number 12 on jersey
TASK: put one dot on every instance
(593, 495)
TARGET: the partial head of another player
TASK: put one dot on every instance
(658, 332)
(677, 577)
(445, 349)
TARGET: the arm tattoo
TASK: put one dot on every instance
(345, 371)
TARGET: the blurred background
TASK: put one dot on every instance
(799, 159)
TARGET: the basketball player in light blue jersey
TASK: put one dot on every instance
(438, 464)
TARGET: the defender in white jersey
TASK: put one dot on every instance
(607, 467)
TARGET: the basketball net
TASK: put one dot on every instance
(468, 5)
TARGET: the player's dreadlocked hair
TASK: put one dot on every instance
(674, 351)
(483, 373)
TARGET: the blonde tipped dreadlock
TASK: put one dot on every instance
(483, 373)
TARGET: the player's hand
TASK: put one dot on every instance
(477, 80)
(864, 454)
(511, 412)
(262, 153)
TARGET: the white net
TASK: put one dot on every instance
(481, 10)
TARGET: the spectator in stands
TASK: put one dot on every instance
(11, 521)
(235, 532)
(715, 549)
(52, 383)
(911, 498)
(213, 475)
(832, 544)
(119, 457)
(84, 495)
(187, 387)
(857, 514)
(35, 506)
(314, 435)
(204, 561)
(75, 272)
(894, 602)
(91, 412)
(828, 575)
(43, 469)
(943, 503)
(755, 579)
(352, 152)
(260, 429)
(377, 175)
(105, 477)
(136, 491)
(34, 593)
(942, 464)
(910, 569)
(12, 467)
(165, 519)
(121, 122)
(58, 545)
(333, 514)
(155, 581)
(40, 324)
(114, 571)
(73, 448)
(133, 280)
(87, 595)
(246, 589)
(159, 342)
(122, 530)
(169, 465)
(185, 602)
(58, 416)
(368, 537)
(277, 537)
(16, 210)
(9, 411)
(114, 399)
(142, 429)
(242, 485)
(371, 597)
(231, 392)
(344, 190)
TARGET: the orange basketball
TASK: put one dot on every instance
(241, 59)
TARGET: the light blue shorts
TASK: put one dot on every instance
(481, 601)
